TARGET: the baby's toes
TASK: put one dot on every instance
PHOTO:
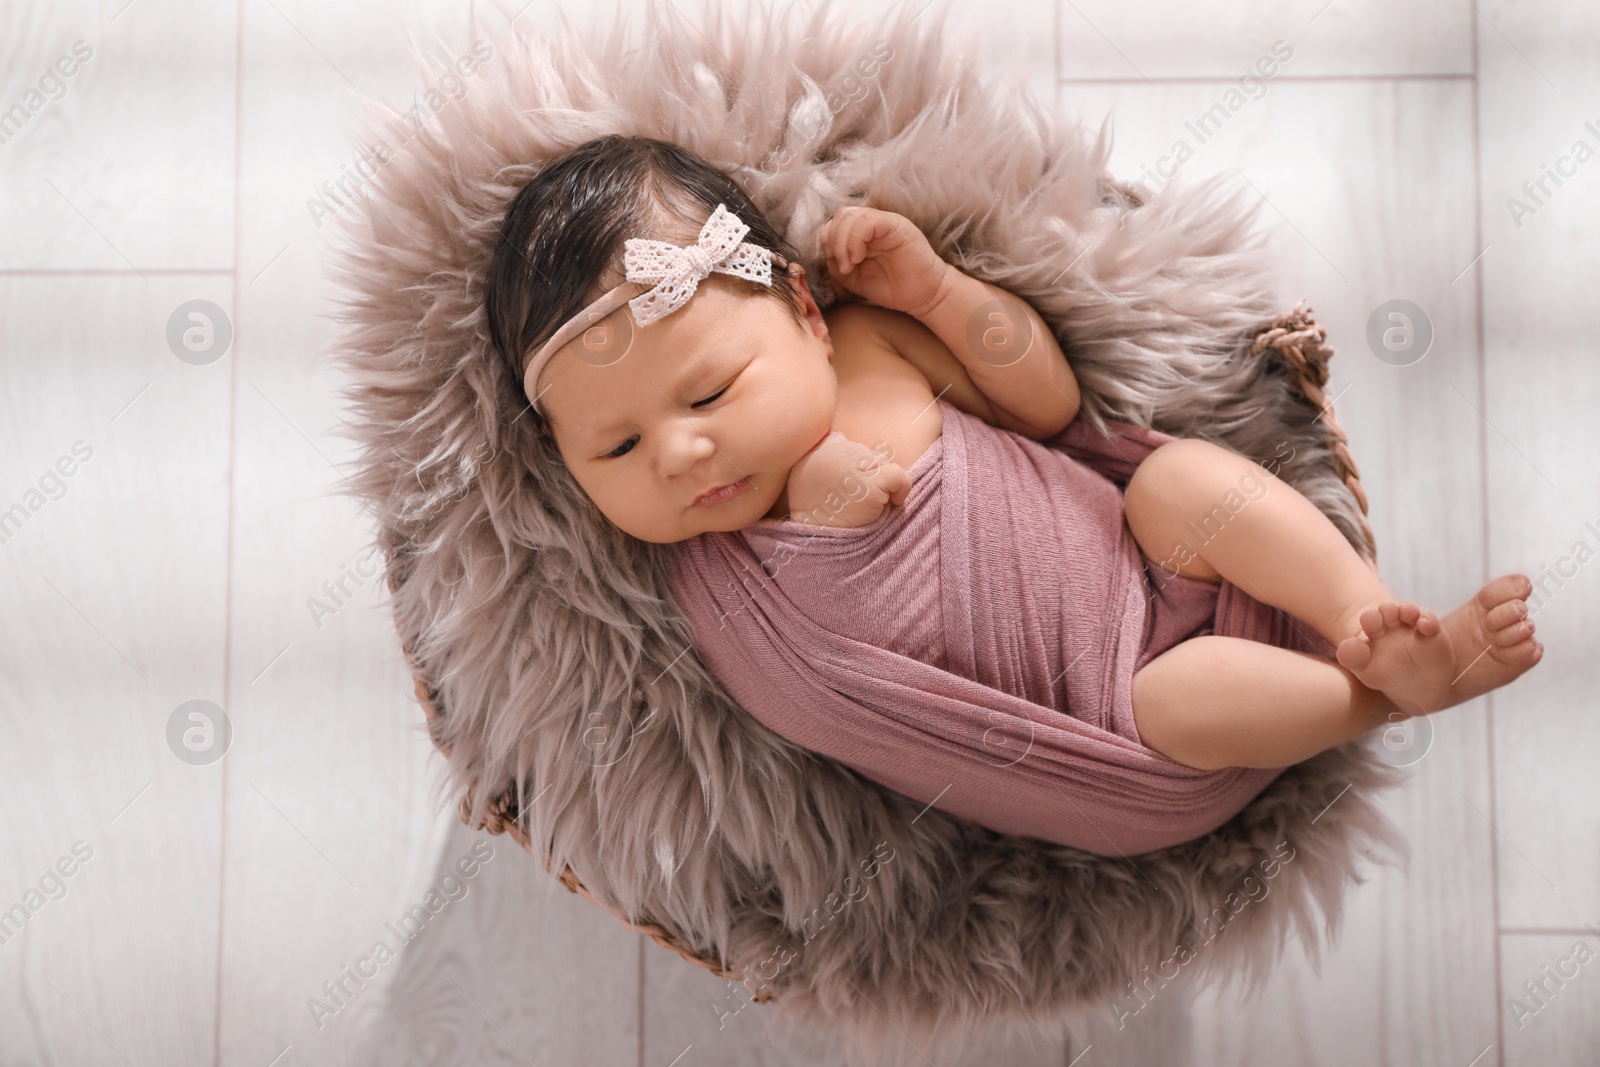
(1522, 655)
(1506, 587)
(1513, 634)
(1374, 621)
(1353, 653)
(1507, 614)
(1426, 623)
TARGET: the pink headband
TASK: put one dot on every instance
(674, 272)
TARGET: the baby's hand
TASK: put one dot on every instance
(842, 483)
(882, 257)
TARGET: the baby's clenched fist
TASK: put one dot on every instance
(883, 258)
(843, 483)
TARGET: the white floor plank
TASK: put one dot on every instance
(711, 1022)
(112, 577)
(514, 970)
(1171, 39)
(1544, 454)
(1015, 39)
(126, 162)
(1551, 1002)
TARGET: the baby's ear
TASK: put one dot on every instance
(795, 276)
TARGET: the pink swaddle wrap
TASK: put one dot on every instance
(975, 647)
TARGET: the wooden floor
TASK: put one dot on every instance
(179, 539)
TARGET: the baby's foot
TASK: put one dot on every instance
(1406, 653)
(1492, 636)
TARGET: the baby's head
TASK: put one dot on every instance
(732, 388)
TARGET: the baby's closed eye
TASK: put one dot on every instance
(627, 446)
(712, 397)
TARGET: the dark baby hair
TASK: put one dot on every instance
(561, 243)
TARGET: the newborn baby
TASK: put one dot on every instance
(743, 402)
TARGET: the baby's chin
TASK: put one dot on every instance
(734, 520)
(697, 525)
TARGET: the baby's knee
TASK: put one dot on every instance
(1184, 470)
(1185, 455)
(1166, 724)
(1173, 705)
(1160, 477)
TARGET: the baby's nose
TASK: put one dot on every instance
(686, 445)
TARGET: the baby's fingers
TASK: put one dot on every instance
(856, 245)
(894, 481)
(845, 249)
(849, 231)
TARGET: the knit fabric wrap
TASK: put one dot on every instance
(974, 649)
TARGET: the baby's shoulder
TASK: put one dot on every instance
(883, 398)
(869, 329)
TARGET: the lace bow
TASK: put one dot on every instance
(677, 269)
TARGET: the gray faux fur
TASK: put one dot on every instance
(535, 621)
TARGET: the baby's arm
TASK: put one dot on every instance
(1005, 347)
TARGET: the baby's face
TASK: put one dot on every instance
(727, 390)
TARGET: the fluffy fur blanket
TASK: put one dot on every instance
(563, 670)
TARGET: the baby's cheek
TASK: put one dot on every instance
(828, 408)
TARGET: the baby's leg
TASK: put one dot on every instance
(1201, 510)
(1213, 702)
